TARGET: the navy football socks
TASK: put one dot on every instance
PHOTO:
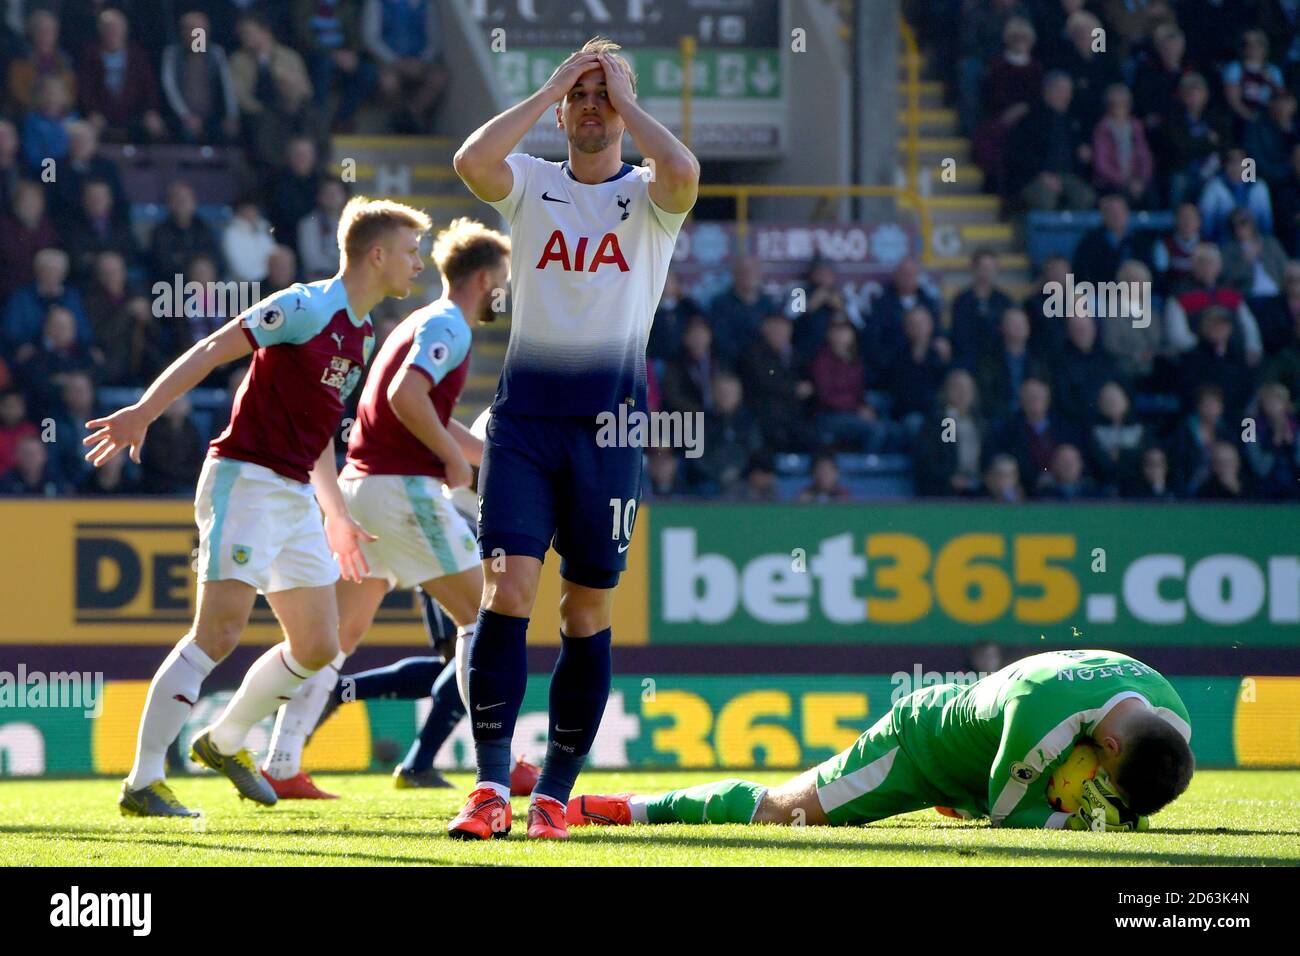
(498, 677)
(442, 720)
(579, 692)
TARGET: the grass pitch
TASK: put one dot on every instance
(1229, 818)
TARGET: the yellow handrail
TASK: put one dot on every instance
(688, 75)
(912, 58)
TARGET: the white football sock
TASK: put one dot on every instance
(637, 805)
(172, 694)
(298, 718)
(464, 634)
(272, 680)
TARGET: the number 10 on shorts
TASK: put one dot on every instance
(624, 518)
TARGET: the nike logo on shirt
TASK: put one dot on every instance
(549, 198)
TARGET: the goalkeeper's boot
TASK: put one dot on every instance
(523, 777)
(238, 768)
(155, 800)
(546, 819)
(597, 810)
(485, 816)
(298, 787)
(404, 779)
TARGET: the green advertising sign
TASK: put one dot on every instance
(1106, 575)
(735, 74)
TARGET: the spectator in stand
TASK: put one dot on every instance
(82, 165)
(291, 192)
(1002, 480)
(136, 344)
(914, 380)
(825, 486)
(272, 88)
(174, 453)
(1280, 21)
(1252, 264)
(247, 242)
(206, 307)
(883, 337)
(405, 38)
(41, 373)
(1276, 314)
(110, 478)
(318, 233)
(1121, 158)
(27, 230)
(181, 236)
(775, 384)
(760, 480)
(1135, 22)
(44, 57)
(76, 407)
(977, 311)
(1225, 481)
(1084, 367)
(33, 475)
(1252, 81)
(25, 314)
(737, 312)
(1191, 140)
(1031, 435)
(675, 309)
(982, 26)
(1270, 139)
(1213, 27)
(1196, 435)
(116, 85)
(14, 426)
(1172, 254)
(1102, 250)
(45, 133)
(1000, 372)
(281, 268)
(329, 34)
(1235, 187)
(1273, 458)
(1155, 88)
(1153, 483)
(823, 301)
(688, 379)
(1217, 360)
(1047, 332)
(1183, 311)
(1012, 84)
(1047, 156)
(11, 172)
(1132, 339)
(197, 84)
(1286, 205)
(97, 229)
(1093, 70)
(845, 419)
(949, 446)
(1116, 440)
(1284, 366)
(1067, 480)
(663, 473)
(731, 437)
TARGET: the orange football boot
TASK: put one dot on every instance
(523, 777)
(298, 787)
(485, 816)
(546, 819)
(597, 810)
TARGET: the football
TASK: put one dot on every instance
(1065, 785)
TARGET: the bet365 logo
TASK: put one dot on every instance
(607, 253)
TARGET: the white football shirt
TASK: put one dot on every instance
(588, 264)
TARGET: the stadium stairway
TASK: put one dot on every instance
(417, 170)
(964, 216)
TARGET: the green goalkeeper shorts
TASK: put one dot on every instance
(872, 779)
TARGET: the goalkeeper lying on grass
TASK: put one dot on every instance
(982, 749)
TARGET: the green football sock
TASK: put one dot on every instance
(727, 801)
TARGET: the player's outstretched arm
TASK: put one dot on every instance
(342, 532)
(481, 159)
(676, 181)
(126, 427)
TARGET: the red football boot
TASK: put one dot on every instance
(485, 816)
(523, 777)
(596, 810)
(546, 819)
(298, 787)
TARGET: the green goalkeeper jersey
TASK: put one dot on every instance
(990, 747)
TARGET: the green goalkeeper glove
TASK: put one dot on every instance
(1100, 808)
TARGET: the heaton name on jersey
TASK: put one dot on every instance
(589, 266)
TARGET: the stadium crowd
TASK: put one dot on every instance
(990, 397)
